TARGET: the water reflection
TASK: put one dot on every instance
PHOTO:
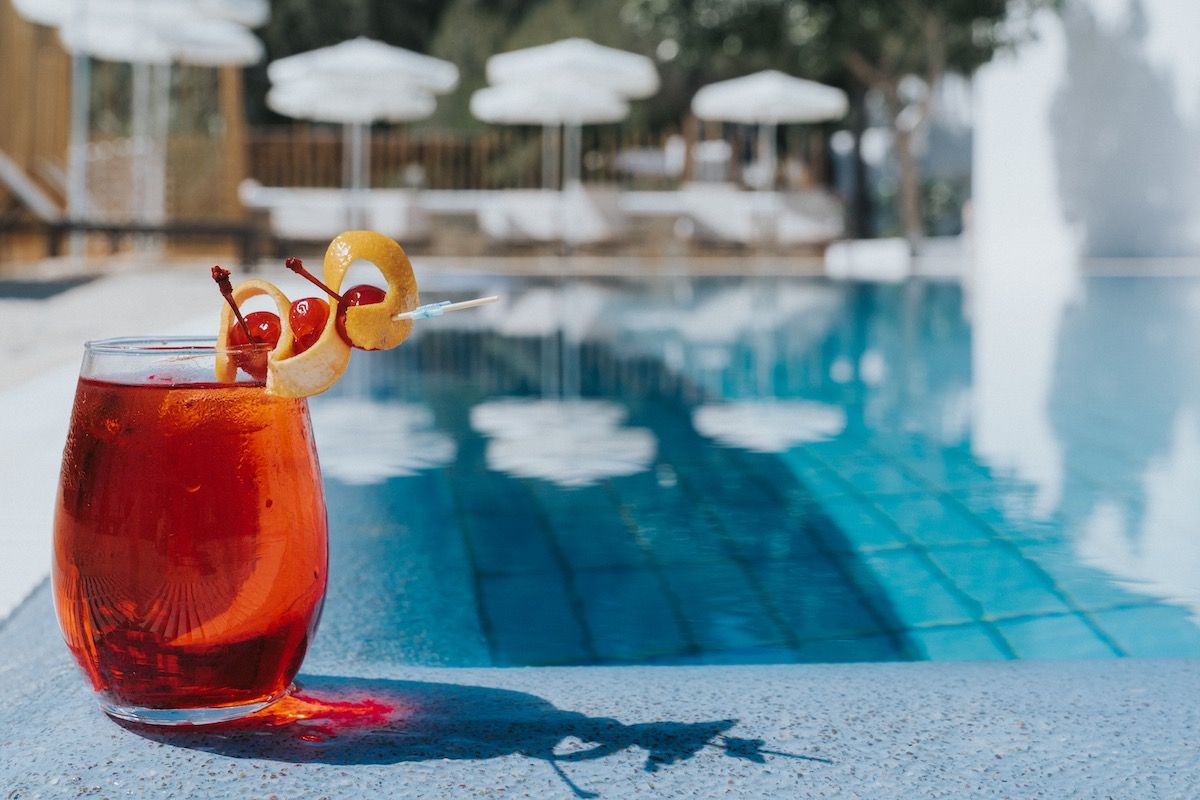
(364, 442)
(1125, 411)
(1009, 473)
(769, 426)
(572, 443)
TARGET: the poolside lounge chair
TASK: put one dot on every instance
(809, 217)
(301, 214)
(579, 215)
(13, 178)
(722, 213)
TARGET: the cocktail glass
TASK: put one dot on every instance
(190, 547)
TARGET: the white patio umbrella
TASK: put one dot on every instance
(54, 13)
(356, 83)
(768, 99)
(565, 102)
(363, 58)
(146, 33)
(251, 13)
(568, 83)
(626, 74)
(161, 38)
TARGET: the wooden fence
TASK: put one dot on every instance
(35, 89)
(503, 158)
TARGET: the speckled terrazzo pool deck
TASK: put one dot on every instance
(1122, 728)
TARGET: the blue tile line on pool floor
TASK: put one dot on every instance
(1065, 608)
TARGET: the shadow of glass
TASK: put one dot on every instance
(349, 721)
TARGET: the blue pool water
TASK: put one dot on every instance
(770, 470)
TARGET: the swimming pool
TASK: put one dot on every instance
(696, 471)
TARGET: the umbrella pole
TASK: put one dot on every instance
(547, 156)
(77, 148)
(363, 174)
(767, 157)
(160, 135)
(351, 166)
(574, 154)
(138, 161)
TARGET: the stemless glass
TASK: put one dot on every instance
(190, 548)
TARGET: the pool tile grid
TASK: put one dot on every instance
(727, 477)
(528, 582)
(957, 563)
(516, 610)
(1097, 603)
(937, 602)
(880, 628)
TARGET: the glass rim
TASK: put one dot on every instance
(198, 346)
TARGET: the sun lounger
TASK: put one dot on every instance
(579, 215)
(301, 214)
(811, 217)
(722, 213)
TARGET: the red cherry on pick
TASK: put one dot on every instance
(361, 295)
(265, 330)
(308, 316)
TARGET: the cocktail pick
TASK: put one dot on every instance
(437, 309)
(221, 276)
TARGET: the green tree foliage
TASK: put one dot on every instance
(472, 30)
(864, 44)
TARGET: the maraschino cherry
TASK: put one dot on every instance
(307, 316)
(255, 334)
(361, 295)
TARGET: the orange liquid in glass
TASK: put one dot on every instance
(190, 552)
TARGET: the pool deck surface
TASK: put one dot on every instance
(366, 729)
(1019, 729)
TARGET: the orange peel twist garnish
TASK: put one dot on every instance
(370, 327)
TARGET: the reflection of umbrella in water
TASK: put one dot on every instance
(572, 443)
(356, 83)
(769, 426)
(403, 440)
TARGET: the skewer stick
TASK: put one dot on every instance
(437, 309)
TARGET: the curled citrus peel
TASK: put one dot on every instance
(370, 327)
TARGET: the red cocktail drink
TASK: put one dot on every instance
(190, 551)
